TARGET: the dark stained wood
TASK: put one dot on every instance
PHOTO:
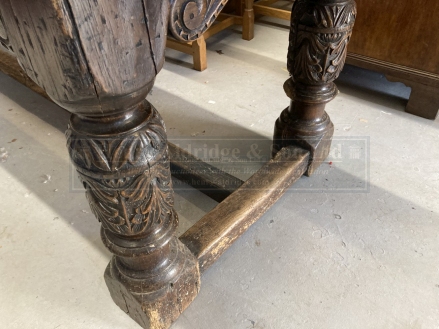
(97, 59)
(424, 98)
(319, 36)
(117, 31)
(210, 237)
(210, 180)
(397, 71)
(43, 36)
(10, 67)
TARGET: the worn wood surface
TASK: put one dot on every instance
(320, 31)
(86, 44)
(10, 67)
(210, 180)
(43, 36)
(210, 237)
(99, 59)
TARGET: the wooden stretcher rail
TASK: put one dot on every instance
(272, 12)
(211, 236)
(206, 178)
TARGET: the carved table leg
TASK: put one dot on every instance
(319, 35)
(99, 59)
(153, 276)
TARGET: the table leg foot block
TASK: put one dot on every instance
(319, 145)
(155, 302)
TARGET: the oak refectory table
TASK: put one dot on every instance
(98, 59)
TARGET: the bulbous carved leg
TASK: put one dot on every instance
(98, 59)
(319, 35)
(153, 277)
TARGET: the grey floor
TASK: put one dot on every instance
(355, 246)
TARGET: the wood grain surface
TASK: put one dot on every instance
(211, 236)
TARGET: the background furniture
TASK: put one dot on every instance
(235, 13)
(397, 38)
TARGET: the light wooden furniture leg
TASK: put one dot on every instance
(199, 54)
(190, 30)
(248, 22)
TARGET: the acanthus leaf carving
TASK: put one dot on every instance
(118, 154)
(318, 40)
(127, 180)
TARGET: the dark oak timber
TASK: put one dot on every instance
(210, 180)
(319, 36)
(99, 59)
(10, 67)
(212, 235)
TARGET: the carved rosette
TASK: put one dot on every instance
(127, 178)
(320, 33)
(189, 19)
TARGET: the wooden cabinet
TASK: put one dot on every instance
(401, 39)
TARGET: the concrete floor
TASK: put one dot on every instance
(351, 247)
